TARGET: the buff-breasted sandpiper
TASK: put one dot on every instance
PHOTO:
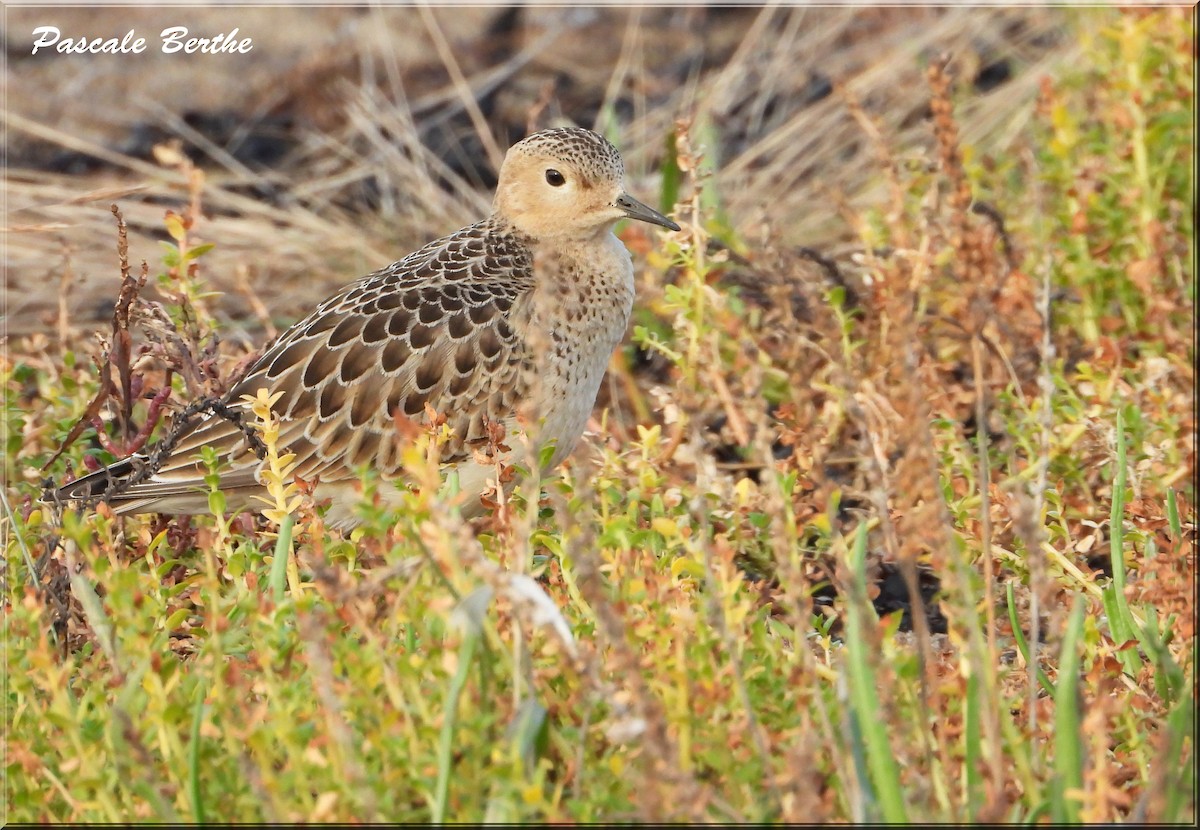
(512, 318)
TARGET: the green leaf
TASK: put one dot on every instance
(197, 251)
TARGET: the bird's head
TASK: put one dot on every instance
(567, 184)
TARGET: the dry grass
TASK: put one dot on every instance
(895, 525)
(372, 125)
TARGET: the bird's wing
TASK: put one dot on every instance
(443, 326)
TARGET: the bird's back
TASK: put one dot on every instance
(442, 327)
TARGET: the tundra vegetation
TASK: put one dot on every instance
(886, 512)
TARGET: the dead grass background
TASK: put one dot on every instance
(343, 141)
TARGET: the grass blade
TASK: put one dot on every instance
(972, 739)
(864, 697)
(1181, 724)
(1068, 738)
(194, 759)
(1116, 606)
(1023, 645)
(446, 739)
(529, 732)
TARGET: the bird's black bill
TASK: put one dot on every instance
(636, 210)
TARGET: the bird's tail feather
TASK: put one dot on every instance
(176, 495)
(95, 485)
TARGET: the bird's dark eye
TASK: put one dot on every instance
(554, 178)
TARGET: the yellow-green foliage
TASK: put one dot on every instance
(687, 625)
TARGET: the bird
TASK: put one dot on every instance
(511, 320)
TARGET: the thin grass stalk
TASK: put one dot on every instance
(31, 575)
(462, 87)
(985, 480)
(976, 712)
(630, 42)
(1036, 561)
